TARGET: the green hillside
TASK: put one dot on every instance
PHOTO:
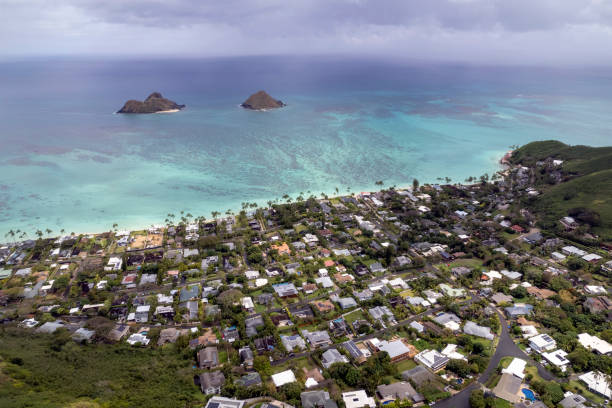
(587, 191)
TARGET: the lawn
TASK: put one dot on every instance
(46, 370)
(502, 403)
(354, 315)
(405, 365)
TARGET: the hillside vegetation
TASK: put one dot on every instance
(586, 189)
(39, 370)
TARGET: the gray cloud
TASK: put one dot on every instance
(541, 31)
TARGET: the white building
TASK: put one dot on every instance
(114, 264)
(282, 378)
(597, 382)
(516, 368)
(542, 342)
(594, 343)
(557, 358)
(357, 399)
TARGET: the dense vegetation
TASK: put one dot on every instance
(585, 188)
(53, 371)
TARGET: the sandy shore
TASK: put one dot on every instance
(169, 111)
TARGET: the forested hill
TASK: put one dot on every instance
(580, 187)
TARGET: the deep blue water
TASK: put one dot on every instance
(67, 162)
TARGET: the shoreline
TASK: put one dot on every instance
(142, 223)
(262, 203)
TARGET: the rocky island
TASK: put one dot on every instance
(154, 103)
(261, 101)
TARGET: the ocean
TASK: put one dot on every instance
(67, 162)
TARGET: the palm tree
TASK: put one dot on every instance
(39, 233)
(48, 231)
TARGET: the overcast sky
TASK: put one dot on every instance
(546, 32)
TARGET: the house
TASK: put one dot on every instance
(542, 342)
(252, 323)
(533, 238)
(448, 320)
(246, 356)
(592, 258)
(417, 326)
(476, 330)
(317, 338)
(208, 357)
(332, 356)
(508, 388)
(170, 335)
(557, 358)
(572, 250)
(499, 298)
(114, 264)
(231, 334)
(249, 380)
(357, 399)
(207, 339)
(317, 399)
(540, 293)
(346, 302)
(451, 352)
(354, 351)
(282, 378)
(451, 292)
(211, 382)
(142, 314)
(189, 293)
(519, 309)
(572, 400)
(529, 331)
(323, 306)
(597, 382)
(265, 344)
(364, 295)
(595, 290)
(397, 350)
(286, 289)
(382, 314)
(83, 335)
(292, 342)
(597, 304)
(247, 304)
(222, 402)
(137, 338)
(402, 390)
(432, 359)
(516, 368)
(595, 344)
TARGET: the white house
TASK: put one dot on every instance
(542, 342)
(357, 399)
(516, 368)
(282, 378)
(594, 343)
(597, 382)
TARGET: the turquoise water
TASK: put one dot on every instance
(67, 162)
(528, 394)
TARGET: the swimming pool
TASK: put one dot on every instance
(528, 394)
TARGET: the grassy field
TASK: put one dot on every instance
(46, 371)
(405, 365)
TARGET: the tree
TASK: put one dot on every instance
(477, 399)
(261, 364)
(415, 185)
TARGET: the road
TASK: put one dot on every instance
(505, 348)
